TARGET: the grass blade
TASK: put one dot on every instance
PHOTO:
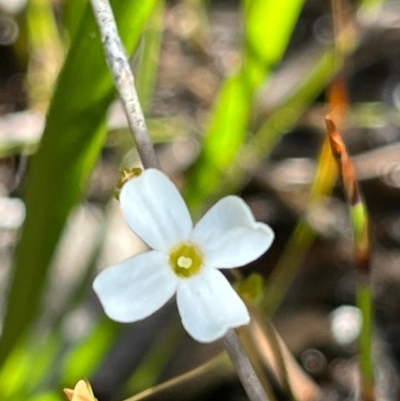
(362, 249)
(72, 140)
(269, 22)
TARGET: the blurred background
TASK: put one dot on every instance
(235, 94)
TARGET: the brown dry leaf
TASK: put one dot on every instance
(302, 386)
(345, 165)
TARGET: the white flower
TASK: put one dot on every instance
(183, 259)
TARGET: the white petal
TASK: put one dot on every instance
(229, 236)
(209, 306)
(155, 210)
(136, 287)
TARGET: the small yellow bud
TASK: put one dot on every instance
(251, 288)
(82, 392)
(126, 175)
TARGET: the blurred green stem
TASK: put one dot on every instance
(149, 61)
(45, 52)
(278, 123)
(302, 237)
(364, 303)
(285, 271)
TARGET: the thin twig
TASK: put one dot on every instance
(124, 81)
(250, 381)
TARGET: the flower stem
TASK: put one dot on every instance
(247, 375)
(124, 81)
(364, 303)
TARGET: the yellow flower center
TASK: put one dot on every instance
(186, 260)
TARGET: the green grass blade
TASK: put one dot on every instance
(280, 121)
(54, 396)
(362, 257)
(269, 25)
(302, 237)
(365, 304)
(225, 136)
(147, 71)
(147, 373)
(85, 357)
(228, 127)
(17, 376)
(72, 140)
(46, 52)
(74, 10)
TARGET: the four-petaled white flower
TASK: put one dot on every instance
(183, 259)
